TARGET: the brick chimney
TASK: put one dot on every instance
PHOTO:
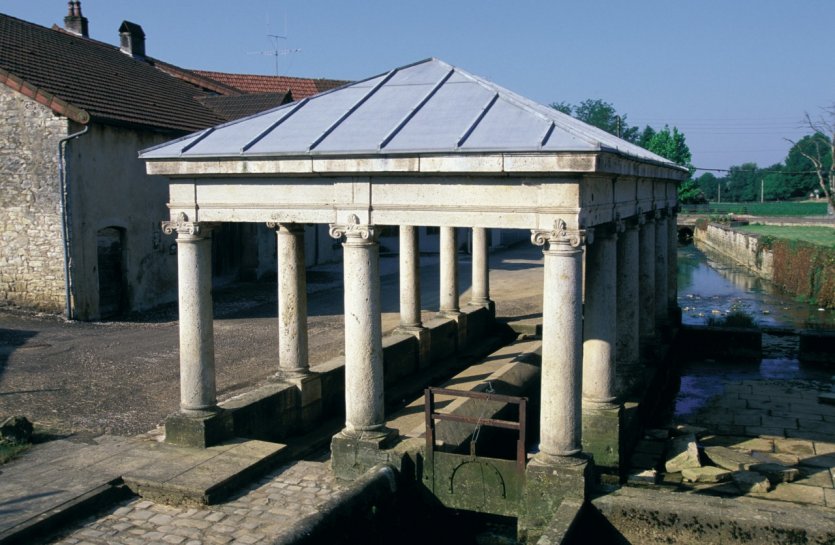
(132, 39)
(75, 22)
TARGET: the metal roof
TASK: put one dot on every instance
(423, 108)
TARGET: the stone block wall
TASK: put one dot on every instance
(745, 249)
(31, 250)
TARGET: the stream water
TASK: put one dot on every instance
(710, 286)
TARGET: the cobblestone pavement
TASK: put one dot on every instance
(257, 515)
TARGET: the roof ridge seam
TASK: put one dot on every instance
(353, 108)
(423, 101)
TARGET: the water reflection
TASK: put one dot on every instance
(710, 286)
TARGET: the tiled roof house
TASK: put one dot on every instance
(79, 217)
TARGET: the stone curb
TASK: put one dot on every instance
(83, 505)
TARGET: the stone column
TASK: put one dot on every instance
(292, 301)
(599, 320)
(361, 443)
(628, 335)
(450, 305)
(449, 271)
(672, 264)
(662, 250)
(646, 280)
(481, 269)
(409, 277)
(363, 329)
(562, 343)
(410, 317)
(559, 471)
(196, 424)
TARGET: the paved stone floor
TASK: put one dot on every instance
(257, 515)
(781, 442)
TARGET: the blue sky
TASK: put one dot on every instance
(736, 76)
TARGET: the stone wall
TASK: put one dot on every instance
(110, 189)
(743, 248)
(31, 253)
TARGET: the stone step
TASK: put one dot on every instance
(191, 476)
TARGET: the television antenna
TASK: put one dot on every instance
(276, 51)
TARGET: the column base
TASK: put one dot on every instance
(353, 453)
(309, 386)
(489, 304)
(460, 319)
(424, 339)
(602, 438)
(549, 481)
(198, 429)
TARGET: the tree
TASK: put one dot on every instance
(670, 145)
(600, 114)
(818, 149)
(742, 184)
(666, 143)
(709, 185)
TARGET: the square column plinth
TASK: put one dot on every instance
(199, 430)
(546, 487)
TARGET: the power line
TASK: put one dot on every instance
(757, 170)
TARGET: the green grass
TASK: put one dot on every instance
(822, 236)
(788, 208)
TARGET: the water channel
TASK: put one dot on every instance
(711, 286)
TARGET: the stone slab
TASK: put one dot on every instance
(706, 474)
(777, 473)
(682, 453)
(188, 476)
(642, 515)
(730, 459)
(798, 493)
(751, 482)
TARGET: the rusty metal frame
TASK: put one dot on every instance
(431, 416)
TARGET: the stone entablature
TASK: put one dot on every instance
(31, 261)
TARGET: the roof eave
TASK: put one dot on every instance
(482, 164)
(42, 96)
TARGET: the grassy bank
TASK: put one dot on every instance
(821, 236)
(789, 208)
(804, 260)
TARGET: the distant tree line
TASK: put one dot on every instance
(807, 169)
(795, 177)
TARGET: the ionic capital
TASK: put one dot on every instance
(186, 228)
(354, 230)
(562, 235)
(286, 228)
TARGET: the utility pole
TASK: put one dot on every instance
(762, 190)
(718, 192)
